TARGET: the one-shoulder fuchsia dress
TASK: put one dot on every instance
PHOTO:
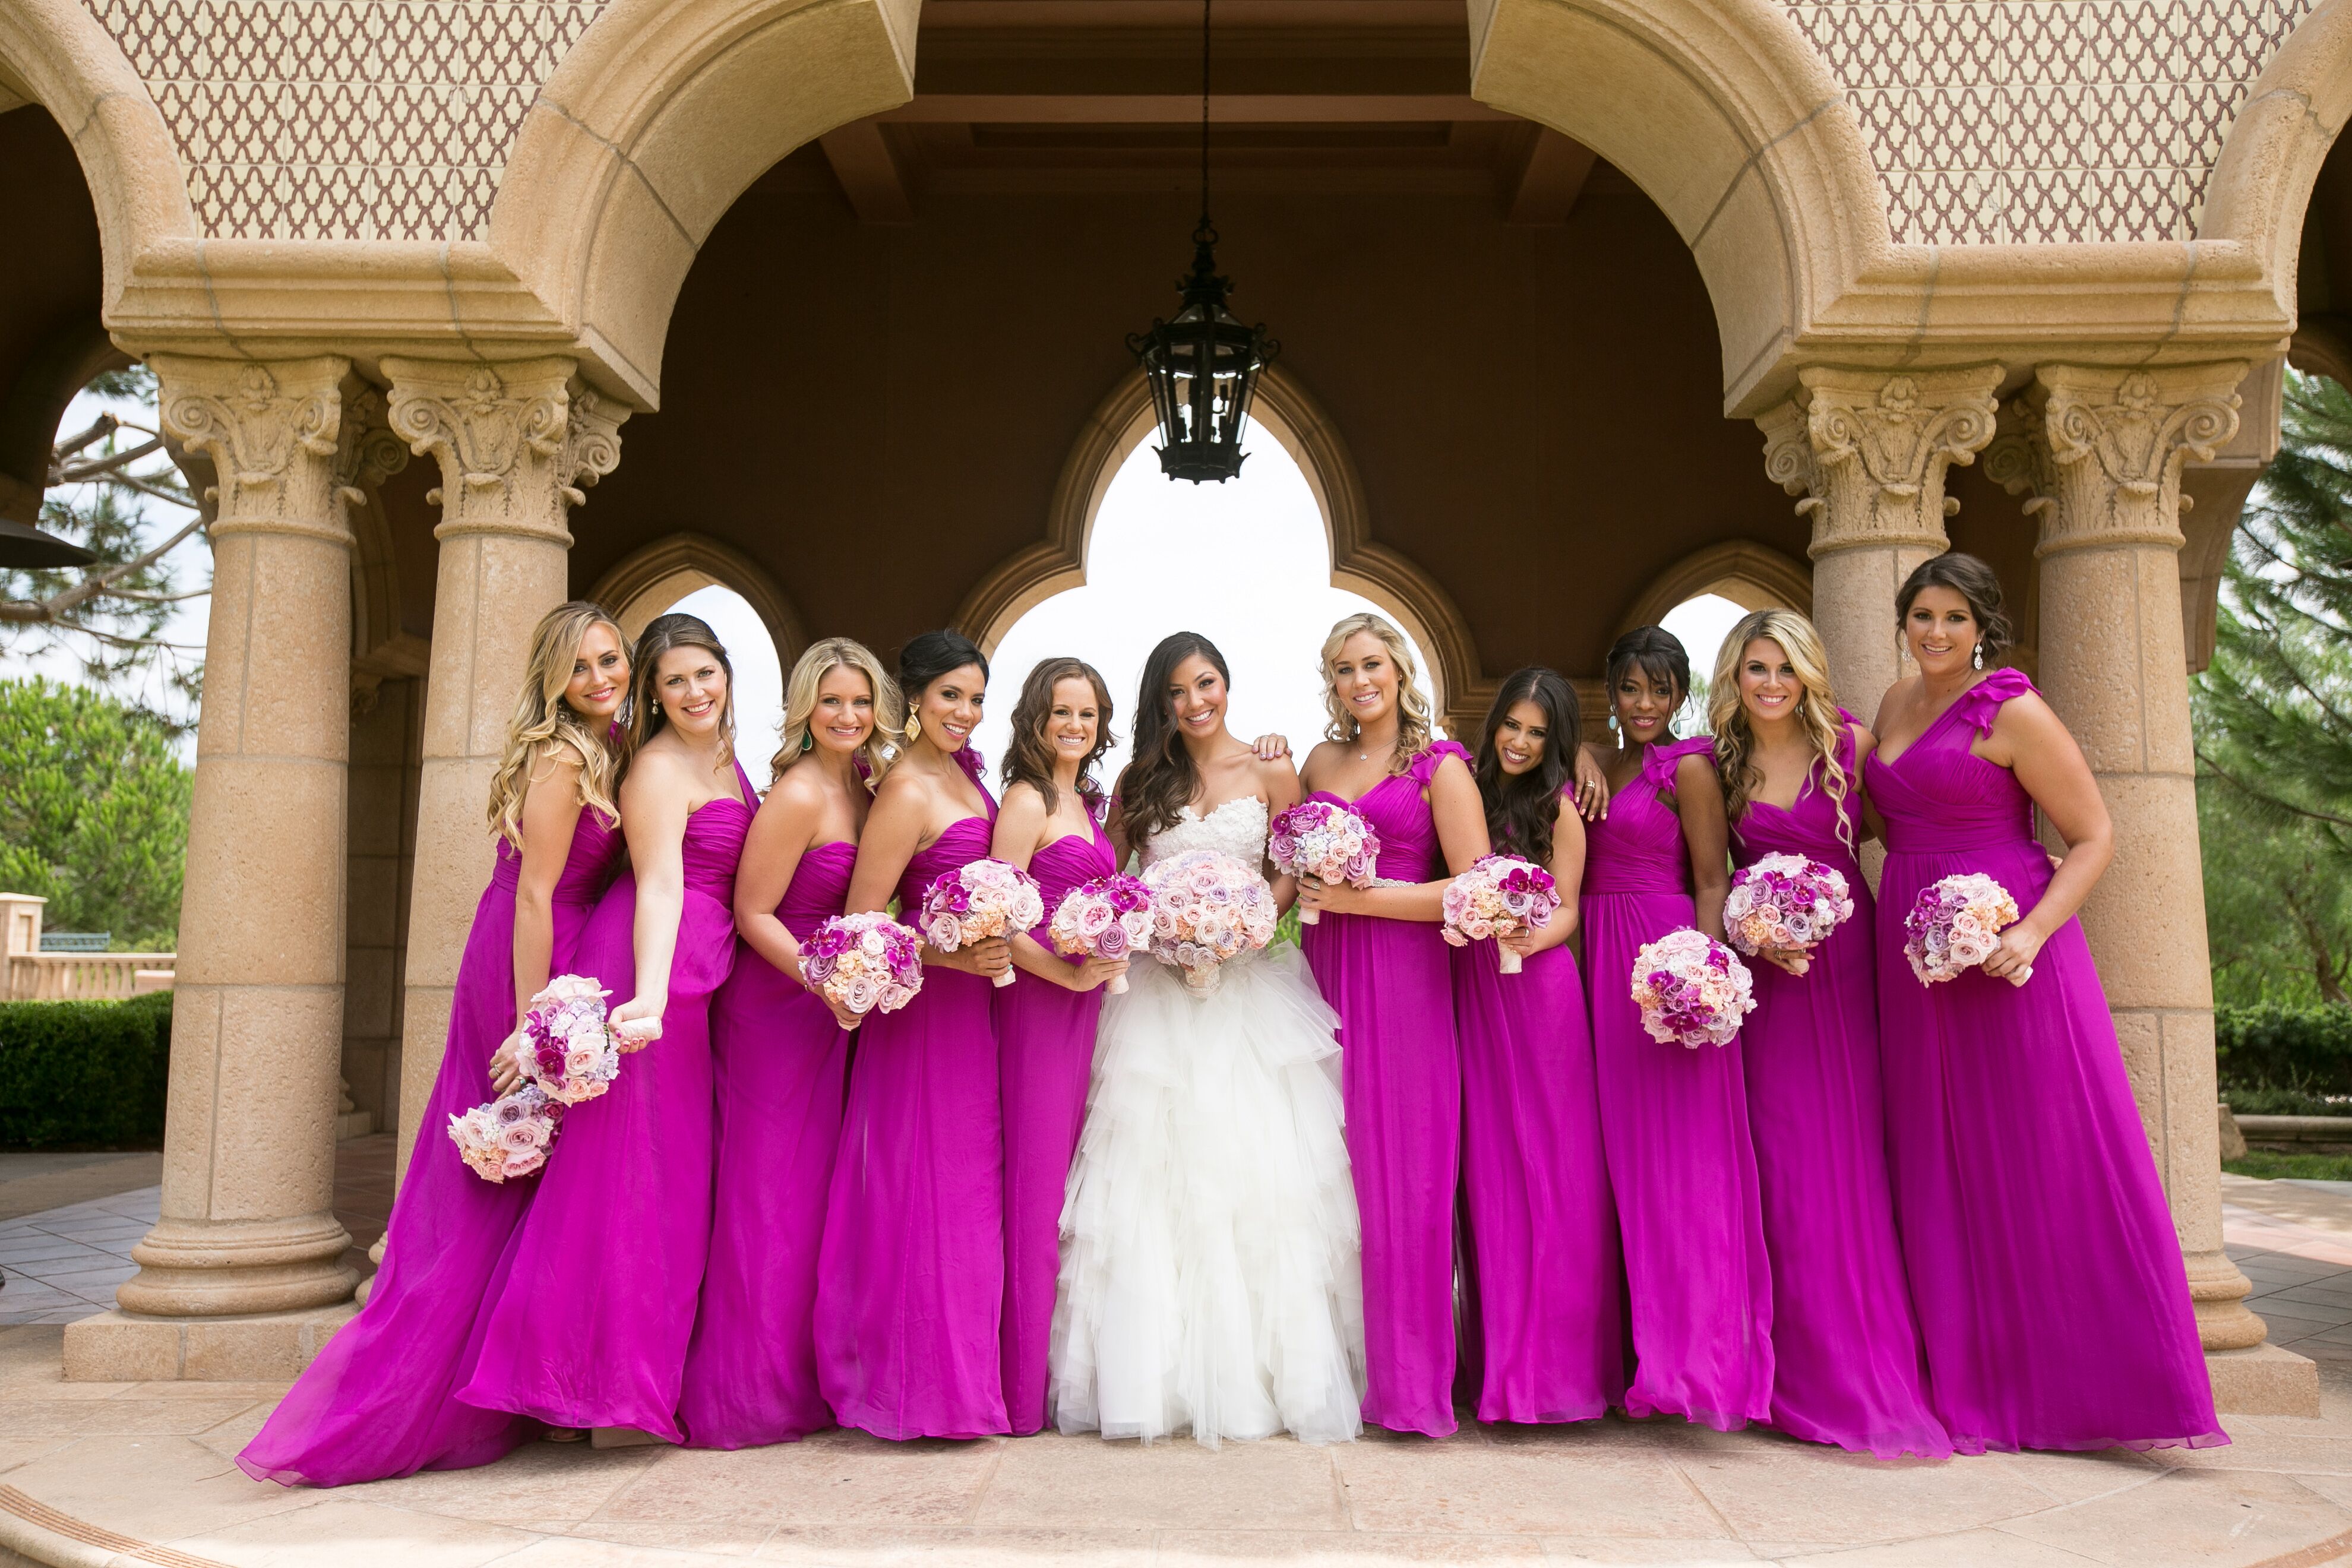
(589, 1324)
(2048, 1278)
(778, 1061)
(380, 1399)
(1675, 1122)
(1391, 984)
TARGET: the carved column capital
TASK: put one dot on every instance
(369, 451)
(516, 441)
(1867, 450)
(274, 433)
(2103, 447)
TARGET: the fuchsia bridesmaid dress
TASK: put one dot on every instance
(1675, 1122)
(1543, 1230)
(1845, 1345)
(778, 1060)
(1045, 1052)
(910, 1282)
(590, 1325)
(2048, 1278)
(1400, 1081)
(380, 1399)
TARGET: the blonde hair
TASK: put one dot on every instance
(543, 721)
(809, 671)
(1817, 713)
(1415, 714)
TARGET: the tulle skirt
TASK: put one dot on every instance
(1209, 1274)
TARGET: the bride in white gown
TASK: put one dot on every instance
(1210, 1278)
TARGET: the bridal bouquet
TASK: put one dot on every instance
(1785, 901)
(864, 963)
(1329, 843)
(1692, 991)
(1500, 895)
(509, 1137)
(1109, 917)
(1207, 908)
(1956, 925)
(567, 1052)
(979, 900)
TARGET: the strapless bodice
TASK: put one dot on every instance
(819, 888)
(587, 865)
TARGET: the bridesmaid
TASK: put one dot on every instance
(1377, 954)
(1542, 1230)
(910, 1282)
(1697, 1283)
(589, 1328)
(1845, 1345)
(2052, 1296)
(779, 1055)
(1046, 1018)
(378, 1401)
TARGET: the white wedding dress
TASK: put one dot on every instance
(1210, 1261)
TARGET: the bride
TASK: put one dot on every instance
(1209, 1263)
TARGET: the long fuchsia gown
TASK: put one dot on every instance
(379, 1400)
(1400, 1084)
(910, 1283)
(2044, 1262)
(592, 1319)
(1543, 1231)
(778, 1061)
(1675, 1122)
(1046, 1038)
(1845, 1345)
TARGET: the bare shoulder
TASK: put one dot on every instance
(1864, 742)
(1022, 801)
(1899, 699)
(1695, 770)
(1325, 754)
(902, 787)
(1452, 768)
(557, 753)
(2027, 716)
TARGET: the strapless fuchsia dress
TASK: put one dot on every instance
(1675, 1122)
(379, 1400)
(910, 1281)
(779, 1059)
(2043, 1263)
(1845, 1343)
(591, 1322)
(1401, 1078)
(1046, 1038)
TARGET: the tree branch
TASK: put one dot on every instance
(63, 473)
(2267, 799)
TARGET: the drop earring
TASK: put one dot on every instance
(914, 728)
(808, 739)
(1977, 657)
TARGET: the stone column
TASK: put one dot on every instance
(1867, 450)
(247, 1225)
(515, 441)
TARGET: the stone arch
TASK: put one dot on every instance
(1287, 412)
(2262, 181)
(648, 581)
(1752, 576)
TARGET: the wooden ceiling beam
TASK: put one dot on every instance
(1151, 109)
(869, 173)
(1551, 180)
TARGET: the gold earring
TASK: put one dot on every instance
(914, 727)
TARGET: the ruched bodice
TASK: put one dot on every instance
(963, 842)
(1070, 862)
(713, 845)
(1638, 846)
(1408, 828)
(1810, 826)
(587, 865)
(1937, 795)
(819, 888)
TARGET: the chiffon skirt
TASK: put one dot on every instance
(1046, 1052)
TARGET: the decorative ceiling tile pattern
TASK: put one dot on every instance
(344, 119)
(2040, 120)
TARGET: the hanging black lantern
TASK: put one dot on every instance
(1202, 367)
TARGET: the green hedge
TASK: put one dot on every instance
(87, 1074)
(2273, 1047)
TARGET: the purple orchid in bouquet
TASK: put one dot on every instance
(864, 963)
(1329, 843)
(1956, 924)
(1109, 917)
(1785, 902)
(1691, 989)
(978, 900)
(1500, 895)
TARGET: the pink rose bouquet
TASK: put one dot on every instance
(1329, 843)
(864, 963)
(1785, 901)
(979, 900)
(1692, 991)
(566, 1050)
(1109, 917)
(509, 1137)
(1500, 895)
(1957, 924)
(1207, 909)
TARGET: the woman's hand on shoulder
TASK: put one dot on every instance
(1278, 782)
(1590, 791)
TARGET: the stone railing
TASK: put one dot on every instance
(88, 976)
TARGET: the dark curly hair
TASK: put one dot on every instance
(1972, 580)
(1521, 810)
(1160, 776)
(1029, 754)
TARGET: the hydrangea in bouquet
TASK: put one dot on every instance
(567, 1052)
(1785, 901)
(509, 1137)
(1207, 909)
(1500, 895)
(979, 900)
(1329, 843)
(1109, 917)
(1957, 924)
(1691, 989)
(864, 963)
